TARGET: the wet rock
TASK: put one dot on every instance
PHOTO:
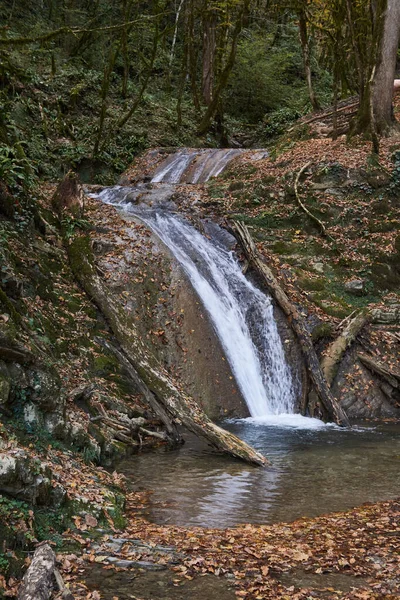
(355, 287)
(12, 285)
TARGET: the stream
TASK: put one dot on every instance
(314, 471)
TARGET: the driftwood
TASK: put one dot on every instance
(126, 427)
(334, 354)
(391, 379)
(172, 430)
(38, 582)
(170, 404)
(323, 392)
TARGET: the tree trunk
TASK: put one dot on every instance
(209, 47)
(178, 406)
(375, 111)
(38, 583)
(226, 71)
(305, 47)
(296, 321)
(382, 86)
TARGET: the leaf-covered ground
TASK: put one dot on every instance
(351, 555)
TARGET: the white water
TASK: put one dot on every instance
(207, 163)
(173, 170)
(241, 314)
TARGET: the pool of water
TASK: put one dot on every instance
(314, 471)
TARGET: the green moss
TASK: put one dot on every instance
(323, 330)
(312, 283)
(281, 247)
(105, 365)
(81, 256)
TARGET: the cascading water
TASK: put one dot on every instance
(194, 166)
(241, 314)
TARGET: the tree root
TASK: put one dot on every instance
(303, 206)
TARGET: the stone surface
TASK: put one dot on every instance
(356, 287)
(25, 478)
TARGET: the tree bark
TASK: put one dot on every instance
(375, 111)
(179, 407)
(38, 582)
(305, 47)
(334, 354)
(333, 409)
(382, 86)
(209, 47)
(225, 73)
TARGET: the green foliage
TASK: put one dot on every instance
(14, 514)
(16, 171)
(4, 563)
(259, 83)
(70, 225)
(277, 122)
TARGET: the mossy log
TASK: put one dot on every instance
(296, 321)
(334, 354)
(145, 368)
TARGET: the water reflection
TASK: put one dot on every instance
(314, 471)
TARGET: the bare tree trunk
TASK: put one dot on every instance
(209, 48)
(296, 321)
(382, 87)
(305, 47)
(226, 71)
(375, 112)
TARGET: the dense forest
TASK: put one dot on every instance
(199, 299)
(89, 85)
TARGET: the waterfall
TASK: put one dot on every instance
(194, 165)
(241, 314)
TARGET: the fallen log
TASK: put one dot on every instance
(321, 387)
(170, 404)
(391, 379)
(334, 354)
(38, 582)
(172, 430)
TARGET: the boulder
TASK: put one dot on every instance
(25, 478)
(355, 287)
